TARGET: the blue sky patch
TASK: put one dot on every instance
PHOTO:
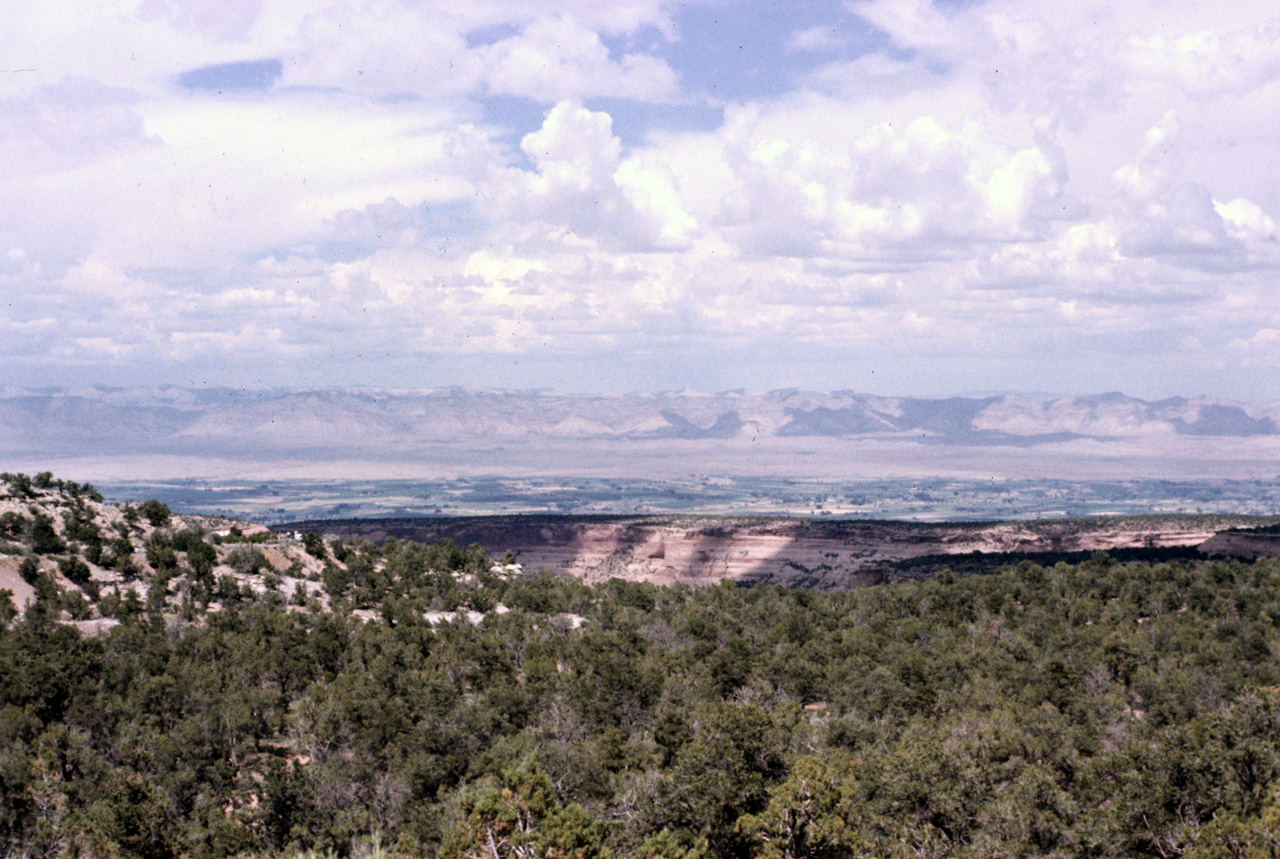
(490, 35)
(257, 75)
(514, 116)
(633, 122)
(740, 51)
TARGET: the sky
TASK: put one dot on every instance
(887, 196)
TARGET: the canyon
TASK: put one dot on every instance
(824, 554)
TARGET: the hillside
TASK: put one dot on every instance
(95, 561)
(184, 687)
(100, 557)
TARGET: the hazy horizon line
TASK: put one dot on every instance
(13, 390)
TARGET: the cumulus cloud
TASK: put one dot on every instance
(1168, 215)
(915, 24)
(1245, 219)
(250, 340)
(552, 60)
(889, 190)
(389, 222)
(1205, 62)
(1262, 349)
(581, 184)
(960, 184)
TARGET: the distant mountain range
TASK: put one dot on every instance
(520, 426)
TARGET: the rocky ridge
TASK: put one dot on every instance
(701, 550)
(95, 420)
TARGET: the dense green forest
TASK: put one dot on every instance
(1097, 709)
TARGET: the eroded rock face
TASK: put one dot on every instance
(1242, 544)
(801, 553)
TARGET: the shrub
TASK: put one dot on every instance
(19, 484)
(29, 569)
(246, 561)
(156, 512)
(314, 544)
(44, 539)
(160, 554)
(184, 539)
(13, 525)
(75, 570)
(201, 556)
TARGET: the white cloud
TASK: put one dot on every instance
(865, 189)
(493, 268)
(227, 20)
(387, 222)
(575, 150)
(910, 23)
(250, 340)
(70, 123)
(1260, 350)
(582, 185)
(368, 46)
(987, 180)
(88, 347)
(553, 60)
(1205, 62)
(1169, 215)
(1245, 219)
(820, 38)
